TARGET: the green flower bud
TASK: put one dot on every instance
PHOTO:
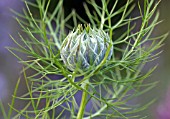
(83, 48)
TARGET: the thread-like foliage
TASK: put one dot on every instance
(111, 84)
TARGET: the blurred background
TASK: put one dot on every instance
(10, 68)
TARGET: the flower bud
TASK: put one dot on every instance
(83, 48)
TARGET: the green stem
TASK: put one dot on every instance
(83, 102)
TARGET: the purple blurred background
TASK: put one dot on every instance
(10, 69)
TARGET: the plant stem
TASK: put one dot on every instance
(83, 102)
(98, 112)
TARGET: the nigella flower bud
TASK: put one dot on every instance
(83, 48)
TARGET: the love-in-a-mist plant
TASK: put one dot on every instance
(86, 69)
